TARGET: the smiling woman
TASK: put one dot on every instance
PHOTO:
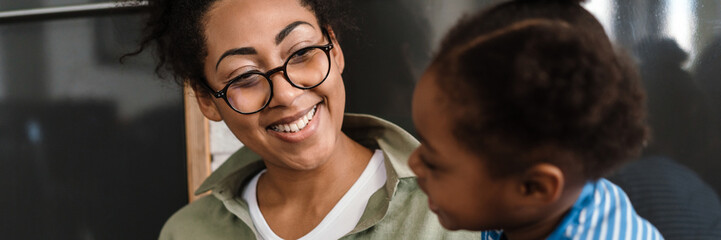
(271, 70)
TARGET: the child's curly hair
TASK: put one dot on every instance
(528, 74)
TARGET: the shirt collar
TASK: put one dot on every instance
(370, 131)
(584, 199)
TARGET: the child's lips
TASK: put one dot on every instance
(432, 206)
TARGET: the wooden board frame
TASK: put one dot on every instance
(197, 143)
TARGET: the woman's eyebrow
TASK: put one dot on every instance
(236, 51)
(284, 33)
(249, 50)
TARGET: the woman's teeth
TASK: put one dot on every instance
(297, 125)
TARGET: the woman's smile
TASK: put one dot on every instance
(295, 123)
(297, 127)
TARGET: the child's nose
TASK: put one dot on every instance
(415, 164)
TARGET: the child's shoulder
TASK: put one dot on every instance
(603, 211)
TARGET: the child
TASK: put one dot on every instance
(522, 112)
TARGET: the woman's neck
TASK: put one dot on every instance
(286, 195)
(325, 183)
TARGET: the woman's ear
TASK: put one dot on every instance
(337, 51)
(206, 104)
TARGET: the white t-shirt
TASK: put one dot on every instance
(345, 214)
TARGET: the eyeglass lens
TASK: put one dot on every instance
(305, 69)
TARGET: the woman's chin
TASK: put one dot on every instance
(307, 148)
(299, 163)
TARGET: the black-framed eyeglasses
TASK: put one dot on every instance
(251, 92)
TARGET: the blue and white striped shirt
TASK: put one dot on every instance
(602, 211)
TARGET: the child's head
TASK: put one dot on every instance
(522, 105)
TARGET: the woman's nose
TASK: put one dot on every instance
(283, 92)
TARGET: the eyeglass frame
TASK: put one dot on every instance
(223, 93)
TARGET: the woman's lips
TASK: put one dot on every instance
(294, 125)
(299, 129)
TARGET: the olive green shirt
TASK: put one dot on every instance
(399, 210)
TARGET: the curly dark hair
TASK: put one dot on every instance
(174, 29)
(524, 75)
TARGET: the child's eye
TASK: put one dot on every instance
(425, 161)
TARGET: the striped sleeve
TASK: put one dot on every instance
(609, 215)
(619, 217)
(603, 212)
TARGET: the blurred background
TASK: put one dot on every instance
(94, 149)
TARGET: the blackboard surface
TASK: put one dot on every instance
(92, 149)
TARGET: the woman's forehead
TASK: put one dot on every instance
(231, 24)
(257, 15)
(252, 22)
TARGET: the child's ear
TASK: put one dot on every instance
(206, 104)
(542, 183)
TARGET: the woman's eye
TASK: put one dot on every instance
(246, 80)
(302, 52)
(303, 55)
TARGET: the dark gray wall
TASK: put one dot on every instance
(91, 149)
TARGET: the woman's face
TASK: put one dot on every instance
(248, 35)
(456, 180)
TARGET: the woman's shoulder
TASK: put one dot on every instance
(205, 218)
(203, 207)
